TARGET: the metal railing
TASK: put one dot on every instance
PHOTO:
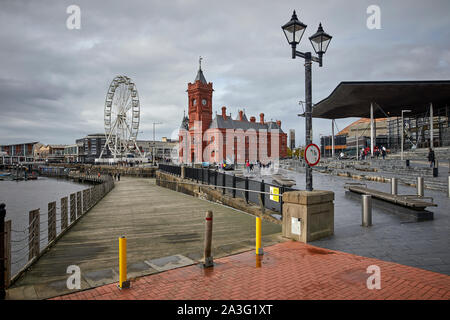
(24, 247)
(233, 186)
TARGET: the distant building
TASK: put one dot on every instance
(71, 153)
(345, 140)
(90, 147)
(52, 153)
(17, 153)
(292, 139)
(163, 149)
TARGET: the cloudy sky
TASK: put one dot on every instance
(53, 80)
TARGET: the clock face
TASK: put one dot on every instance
(194, 102)
(204, 102)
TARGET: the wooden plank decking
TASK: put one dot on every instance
(158, 223)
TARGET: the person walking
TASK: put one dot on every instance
(431, 158)
(118, 176)
(247, 164)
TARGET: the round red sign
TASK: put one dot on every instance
(312, 154)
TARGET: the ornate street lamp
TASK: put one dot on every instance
(320, 41)
(293, 30)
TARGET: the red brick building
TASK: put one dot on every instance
(206, 139)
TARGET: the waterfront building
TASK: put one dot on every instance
(52, 153)
(204, 138)
(71, 153)
(404, 114)
(345, 140)
(162, 149)
(17, 153)
(90, 147)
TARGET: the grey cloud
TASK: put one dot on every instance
(53, 81)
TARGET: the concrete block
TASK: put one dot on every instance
(314, 210)
(308, 197)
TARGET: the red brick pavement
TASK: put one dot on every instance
(289, 270)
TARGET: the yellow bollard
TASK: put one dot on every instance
(123, 282)
(259, 249)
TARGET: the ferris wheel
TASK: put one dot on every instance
(122, 115)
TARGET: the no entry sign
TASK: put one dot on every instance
(312, 154)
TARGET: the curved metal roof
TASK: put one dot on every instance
(353, 99)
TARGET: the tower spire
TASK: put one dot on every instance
(200, 77)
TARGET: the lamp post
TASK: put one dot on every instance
(403, 133)
(293, 30)
(154, 142)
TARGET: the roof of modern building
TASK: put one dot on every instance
(353, 98)
(357, 122)
(17, 144)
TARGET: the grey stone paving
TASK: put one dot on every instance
(394, 236)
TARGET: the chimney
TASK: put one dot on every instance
(279, 124)
(241, 114)
(252, 119)
(224, 113)
(261, 118)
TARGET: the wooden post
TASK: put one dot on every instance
(95, 195)
(51, 221)
(34, 234)
(91, 197)
(208, 259)
(64, 213)
(73, 208)
(79, 207)
(7, 253)
(85, 200)
(2, 253)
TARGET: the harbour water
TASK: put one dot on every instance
(21, 197)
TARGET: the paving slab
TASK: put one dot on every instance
(171, 262)
(287, 271)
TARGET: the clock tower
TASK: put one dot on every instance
(200, 100)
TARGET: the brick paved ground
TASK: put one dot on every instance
(289, 270)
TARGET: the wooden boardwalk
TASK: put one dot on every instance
(157, 222)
